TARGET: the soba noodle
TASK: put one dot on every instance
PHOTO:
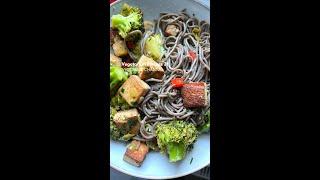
(163, 102)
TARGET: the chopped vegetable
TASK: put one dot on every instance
(192, 55)
(196, 33)
(177, 82)
(126, 10)
(117, 78)
(176, 138)
(125, 24)
(154, 47)
(134, 36)
(118, 103)
(114, 131)
(205, 128)
(131, 71)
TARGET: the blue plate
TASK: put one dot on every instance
(156, 165)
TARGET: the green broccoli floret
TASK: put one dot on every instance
(154, 47)
(129, 19)
(176, 138)
(118, 103)
(126, 10)
(131, 71)
(205, 128)
(114, 131)
(117, 78)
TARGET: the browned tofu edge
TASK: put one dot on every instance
(136, 157)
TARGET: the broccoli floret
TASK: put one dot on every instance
(205, 128)
(154, 47)
(118, 103)
(126, 10)
(131, 71)
(129, 19)
(117, 78)
(114, 131)
(176, 138)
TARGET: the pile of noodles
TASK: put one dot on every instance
(163, 102)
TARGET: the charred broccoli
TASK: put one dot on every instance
(131, 71)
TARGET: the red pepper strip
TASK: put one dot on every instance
(192, 55)
(177, 82)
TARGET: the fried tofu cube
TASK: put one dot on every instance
(195, 95)
(172, 30)
(120, 48)
(133, 89)
(128, 121)
(136, 153)
(148, 68)
(114, 60)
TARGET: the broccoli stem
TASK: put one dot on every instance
(176, 151)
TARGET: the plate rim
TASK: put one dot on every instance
(197, 1)
(161, 177)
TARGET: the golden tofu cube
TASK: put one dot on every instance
(133, 89)
(148, 68)
(136, 153)
(120, 48)
(128, 121)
